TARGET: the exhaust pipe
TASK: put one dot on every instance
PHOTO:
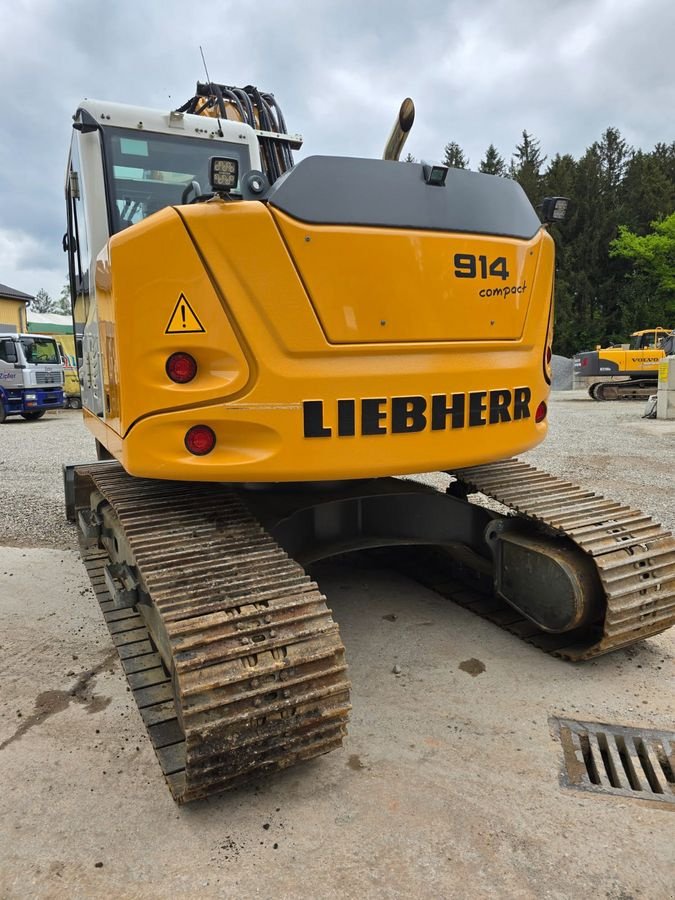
(400, 131)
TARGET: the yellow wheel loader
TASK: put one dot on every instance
(264, 347)
(626, 372)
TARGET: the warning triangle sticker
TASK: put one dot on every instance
(184, 319)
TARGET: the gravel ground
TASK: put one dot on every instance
(31, 492)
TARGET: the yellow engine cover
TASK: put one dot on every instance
(323, 352)
(619, 362)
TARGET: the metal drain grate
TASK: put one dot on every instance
(615, 759)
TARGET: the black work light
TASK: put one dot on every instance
(434, 174)
(223, 174)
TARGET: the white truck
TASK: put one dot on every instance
(31, 376)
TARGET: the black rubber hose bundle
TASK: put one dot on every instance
(259, 110)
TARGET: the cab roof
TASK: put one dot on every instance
(141, 118)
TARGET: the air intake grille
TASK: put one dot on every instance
(616, 759)
(49, 378)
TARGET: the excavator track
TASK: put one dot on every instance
(634, 557)
(241, 672)
(623, 390)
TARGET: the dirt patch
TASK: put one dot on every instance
(472, 666)
(49, 703)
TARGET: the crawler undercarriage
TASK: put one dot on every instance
(628, 389)
(229, 647)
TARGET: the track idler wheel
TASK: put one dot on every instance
(550, 581)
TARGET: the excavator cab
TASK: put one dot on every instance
(648, 339)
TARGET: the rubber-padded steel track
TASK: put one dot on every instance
(634, 556)
(256, 676)
(623, 390)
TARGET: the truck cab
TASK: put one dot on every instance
(31, 376)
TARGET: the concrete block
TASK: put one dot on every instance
(665, 403)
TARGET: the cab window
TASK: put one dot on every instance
(38, 350)
(147, 172)
(643, 341)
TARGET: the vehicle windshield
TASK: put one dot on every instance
(40, 350)
(643, 341)
(147, 171)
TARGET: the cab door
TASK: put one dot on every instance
(76, 243)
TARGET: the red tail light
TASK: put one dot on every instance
(540, 414)
(200, 440)
(584, 360)
(181, 367)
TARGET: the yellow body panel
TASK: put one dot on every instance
(368, 291)
(138, 284)
(286, 400)
(632, 360)
(71, 381)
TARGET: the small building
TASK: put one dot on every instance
(13, 310)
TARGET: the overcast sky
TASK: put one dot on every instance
(479, 71)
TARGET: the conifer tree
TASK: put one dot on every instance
(492, 163)
(525, 167)
(42, 302)
(454, 156)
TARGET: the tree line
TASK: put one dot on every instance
(615, 252)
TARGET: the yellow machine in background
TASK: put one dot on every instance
(264, 346)
(630, 370)
(71, 382)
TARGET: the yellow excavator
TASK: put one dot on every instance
(263, 347)
(624, 372)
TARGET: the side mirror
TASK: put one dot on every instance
(9, 352)
(84, 122)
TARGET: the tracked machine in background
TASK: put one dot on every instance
(626, 372)
(264, 346)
